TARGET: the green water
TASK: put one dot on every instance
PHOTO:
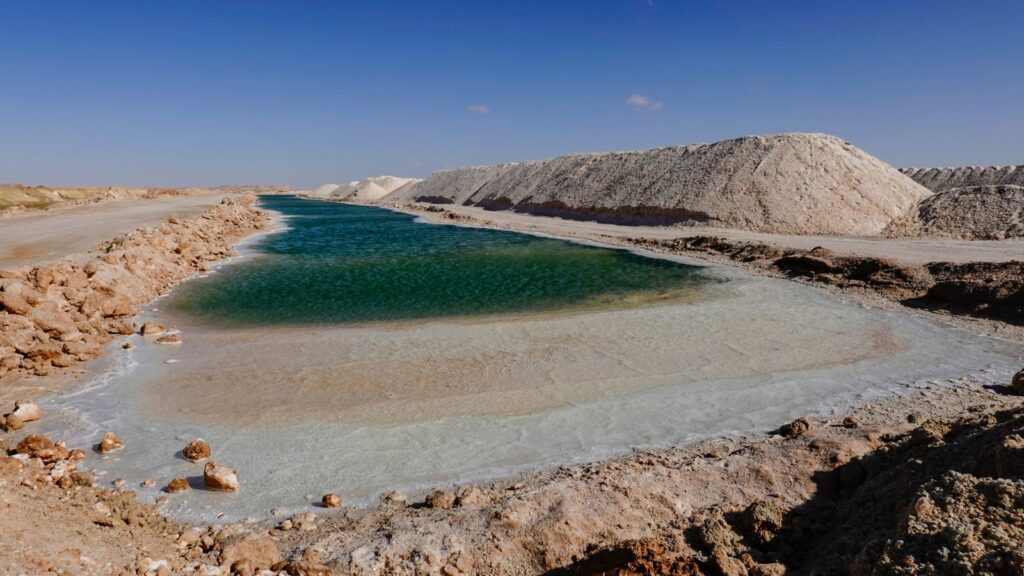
(340, 263)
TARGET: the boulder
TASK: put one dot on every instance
(109, 443)
(27, 411)
(331, 500)
(177, 485)
(217, 477)
(152, 329)
(197, 450)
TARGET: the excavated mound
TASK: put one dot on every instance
(970, 213)
(366, 189)
(941, 179)
(789, 183)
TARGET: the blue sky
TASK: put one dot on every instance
(202, 92)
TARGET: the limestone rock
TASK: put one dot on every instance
(109, 443)
(331, 500)
(27, 411)
(217, 477)
(197, 450)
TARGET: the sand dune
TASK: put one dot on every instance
(789, 183)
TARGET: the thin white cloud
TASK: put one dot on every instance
(643, 103)
(479, 108)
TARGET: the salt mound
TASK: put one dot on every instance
(969, 213)
(941, 179)
(788, 183)
(366, 189)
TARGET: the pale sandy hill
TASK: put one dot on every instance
(789, 183)
(940, 179)
(373, 188)
(968, 213)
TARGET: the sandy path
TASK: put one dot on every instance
(43, 236)
(916, 251)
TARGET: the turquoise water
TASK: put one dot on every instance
(340, 263)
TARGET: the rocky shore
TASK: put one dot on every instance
(55, 316)
(879, 490)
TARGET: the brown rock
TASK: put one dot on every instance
(472, 497)
(259, 551)
(1017, 384)
(177, 485)
(217, 477)
(12, 423)
(32, 444)
(109, 443)
(796, 428)
(197, 450)
(304, 568)
(443, 499)
(152, 329)
(169, 339)
(14, 303)
(331, 500)
(762, 520)
(83, 479)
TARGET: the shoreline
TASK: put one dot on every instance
(461, 534)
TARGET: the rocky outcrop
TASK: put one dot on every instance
(969, 213)
(54, 316)
(789, 183)
(942, 179)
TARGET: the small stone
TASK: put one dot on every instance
(395, 498)
(850, 422)
(1017, 384)
(169, 339)
(177, 485)
(442, 499)
(82, 478)
(472, 497)
(197, 450)
(217, 477)
(331, 501)
(109, 443)
(152, 329)
(148, 483)
(127, 345)
(796, 428)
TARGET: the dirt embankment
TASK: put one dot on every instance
(789, 183)
(17, 198)
(55, 316)
(982, 289)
